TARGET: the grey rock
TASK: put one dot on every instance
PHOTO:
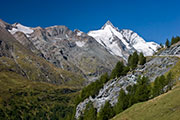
(60, 46)
(153, 68)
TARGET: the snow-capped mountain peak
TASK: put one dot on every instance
(122, 42)
(108, 24)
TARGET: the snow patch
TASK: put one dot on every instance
(21, 28)
(153, 45)
(80, 43)
(79, 33)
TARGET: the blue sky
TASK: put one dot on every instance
(154, 20)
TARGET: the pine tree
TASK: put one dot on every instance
(135, 59)
(130, 60)
(167, 43)
(162, 81)
(142, 59)
(155, 90)
(175, 40)
(159, 84)
(106, 112)
(118, 70)
(142, 92)
(131, 94)
(161, 45)
(122, 103)
(169, 81)
(90, 112)
(104, 78)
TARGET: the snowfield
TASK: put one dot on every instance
(18, 27)
(114, 40)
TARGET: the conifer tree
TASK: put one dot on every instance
(155, 90)
(142, 92)
(90, 112)
(175, 40)
(169, 81)
(131, 94)
(162, 81)
(159, 84)
(135, 59)
(167, 43)
(142, 59)
(161, 45)
(118, 70)
(106, 112)
(122, 103)
(129, 60)
(104, 78)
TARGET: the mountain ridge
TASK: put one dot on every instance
(122, 42)
(73, 51)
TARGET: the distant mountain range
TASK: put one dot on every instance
(90, 54)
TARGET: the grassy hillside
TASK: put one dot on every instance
(163, 107)
(23, 99)
(175, 71)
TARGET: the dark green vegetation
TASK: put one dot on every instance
(140, 92)
(22, 99)
(163, 107)
(160, 83)
(167, 43)
(173, 41)
(119, 70)
(137, 93)
(136, 59)
(90, 112)
(93, 88)
(143, 91)
(106, 112)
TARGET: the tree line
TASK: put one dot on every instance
(119, 70)
(173, 41)
(140, 92)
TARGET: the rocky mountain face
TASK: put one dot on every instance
(155, 67)
(73, 51)
(174, 50)
(16, 58)
(122, 42)
(89, 54)
(22, 38)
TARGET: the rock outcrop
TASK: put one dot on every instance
(153, 68)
